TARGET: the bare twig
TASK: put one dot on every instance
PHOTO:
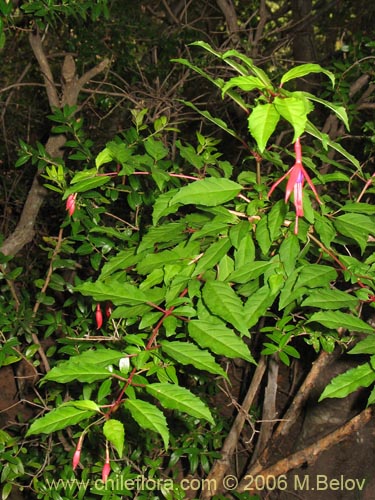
(310, 453)
(221, 466)
(294, 410)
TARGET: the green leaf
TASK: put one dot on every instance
(262, 235)
(123, 260)
(306, 69)
(174, 397)
(338, 319)
(217, 121)
(208, 192)
(250, 271)
(294, 111)
(288, 252)
(330, 299)
(315, 276)
(247, 83)
(276, 218)
(81, 372)
(257, 305)
(212, 255)
(84, 404)
(223, 302)
(350, 381)
(187, 353)
(117, 292)
(98, 357)
(219, 339)
(148, 416)
(245, 253)
(155, 149)
(355, 226)
(114, 431)
(87, 185)
(365, 346)
(361, 208)
(324, 138)
(325, 229)
(262, 123)
(339, 111)
(58, 419)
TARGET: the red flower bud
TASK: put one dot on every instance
(106, 467)
(71, 203)
(77, 453)
(98, 316)
(108, 309)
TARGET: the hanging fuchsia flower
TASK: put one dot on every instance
(98, 316)
(108, 309)
(77, 453)
(106, 467)
(297, 176)
(71, 203)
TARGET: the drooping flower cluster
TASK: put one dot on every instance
(297, 176)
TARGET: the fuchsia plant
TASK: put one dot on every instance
(297, 176)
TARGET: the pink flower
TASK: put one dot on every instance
(297, 176)
(77, 453)
(106, 467)
(71, 203)
(98, 316)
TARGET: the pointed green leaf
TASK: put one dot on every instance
(84, 404)
(250, 271)
(315, 276)
(339, 111)
(257, 305)
(208, 192)
(306, 69)
(114, 431)
(324, 138)
(87, 185)
(350, 381)
(247, 83)
(338, 319)
(98, 357)
(365, 346)
(217, 121)
(245, 253)
(116, 291)
(294, 111)
(276, 218)
(58, 419)
(289, 251)
(174, 397)
(81, 372)
(219, 339)
(187, 353)
(148, 416)
(223, 302)
(155, 149)
(262, 123)
(361, 208)
(325, 298)
(356, 227)
(212, 255)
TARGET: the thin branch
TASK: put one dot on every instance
(311, 453)
(221, 465)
